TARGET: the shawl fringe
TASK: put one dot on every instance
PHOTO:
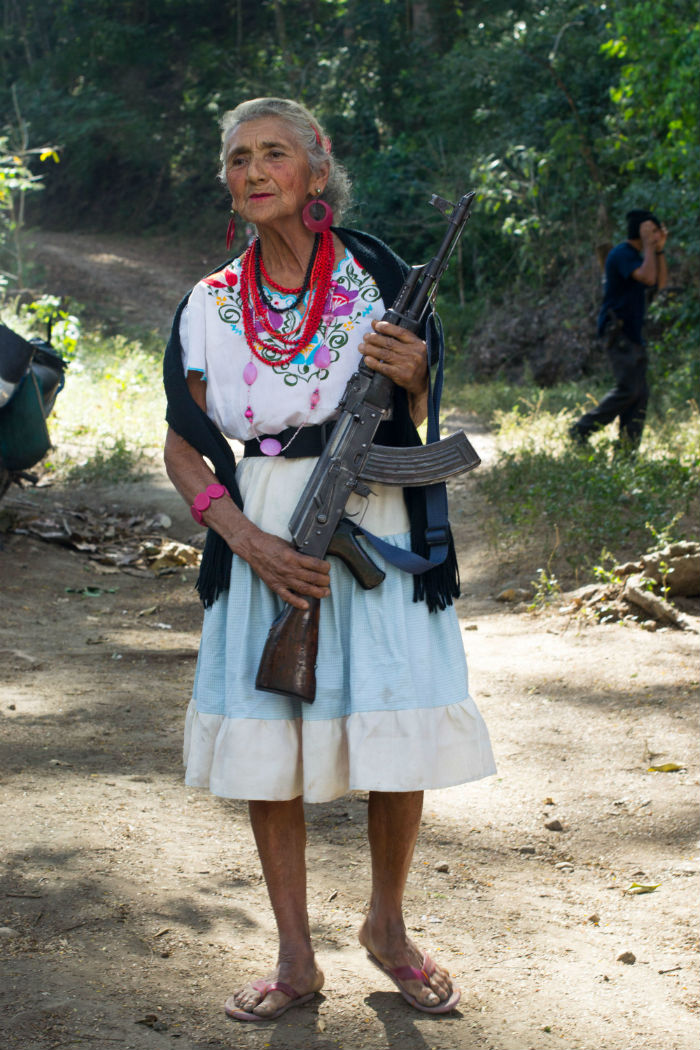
(436, 587)
(215, 569)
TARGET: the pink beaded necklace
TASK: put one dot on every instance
(256, 315)
(255, 307)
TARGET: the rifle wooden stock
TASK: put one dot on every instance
(288, 662)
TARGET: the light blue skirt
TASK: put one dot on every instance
(392, 709)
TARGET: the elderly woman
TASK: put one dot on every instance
(261, 351)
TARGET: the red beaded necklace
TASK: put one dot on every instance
(298, 293)
(254, 309)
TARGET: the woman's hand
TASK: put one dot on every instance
(288, 573)
(397, 353)
(402, 356)
(276, 562)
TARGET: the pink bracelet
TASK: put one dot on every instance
(202, 500)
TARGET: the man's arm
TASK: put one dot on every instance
(652, 272)
(661, 271)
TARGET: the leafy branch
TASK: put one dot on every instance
(17, 180)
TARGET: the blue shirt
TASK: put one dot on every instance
(625, 296)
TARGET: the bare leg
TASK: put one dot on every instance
(280, 835)
(393, 823)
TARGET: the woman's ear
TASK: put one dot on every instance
(320, 180)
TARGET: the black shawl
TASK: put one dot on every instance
(439, 585)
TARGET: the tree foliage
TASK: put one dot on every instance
(17, 182)
(561, 113)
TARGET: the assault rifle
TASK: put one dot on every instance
(347, 463)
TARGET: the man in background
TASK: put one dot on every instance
(632, 270)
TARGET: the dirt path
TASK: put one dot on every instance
(120, 280)
(132, 905)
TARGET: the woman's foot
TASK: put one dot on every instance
(393, 950)
(298, 985)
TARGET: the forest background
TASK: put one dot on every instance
(561, 893)
(561, 115)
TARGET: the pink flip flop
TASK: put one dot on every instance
(410, 973)
(295, 999)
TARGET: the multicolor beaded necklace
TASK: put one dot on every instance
(261, 272)
(255, 310)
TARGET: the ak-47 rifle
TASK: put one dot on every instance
(348, 461)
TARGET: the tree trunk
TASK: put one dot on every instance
(281, 28)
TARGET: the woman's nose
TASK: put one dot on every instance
(255, 171)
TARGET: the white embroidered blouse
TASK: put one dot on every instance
(305, 391)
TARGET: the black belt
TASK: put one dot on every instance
(309, 441)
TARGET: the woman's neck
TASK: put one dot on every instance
(286, 254)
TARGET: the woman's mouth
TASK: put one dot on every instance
(259, 196)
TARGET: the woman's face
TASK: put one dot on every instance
(268, 173)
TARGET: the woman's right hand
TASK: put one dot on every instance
(288, 573)
(285, 571)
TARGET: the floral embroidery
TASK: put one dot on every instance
(230, 279)
(352, 295)
(340, 302)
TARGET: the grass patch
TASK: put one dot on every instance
(109, 421)
(492, 401)
(555, 504)
(113, 465)
(570, 506)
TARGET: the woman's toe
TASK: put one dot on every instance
(246, 998)
(265, 1007)
(428, 997)
(442, 988)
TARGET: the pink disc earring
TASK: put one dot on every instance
(317, 216)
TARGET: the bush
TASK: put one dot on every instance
(548, 496)
(674, 366)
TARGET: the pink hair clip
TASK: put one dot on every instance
(325, 144)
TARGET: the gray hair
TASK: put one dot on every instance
(308, 132)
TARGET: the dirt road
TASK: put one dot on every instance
(132, 905)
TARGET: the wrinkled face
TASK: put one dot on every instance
(268, 172)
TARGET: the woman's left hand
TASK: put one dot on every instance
(397, 353)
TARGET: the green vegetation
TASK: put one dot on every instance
(674, 372)
(546, 589)
(580, 509)
(606, 575)
(109, 422)
(49, 316)
(561, 115)
(582, 504)
(17, 182)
